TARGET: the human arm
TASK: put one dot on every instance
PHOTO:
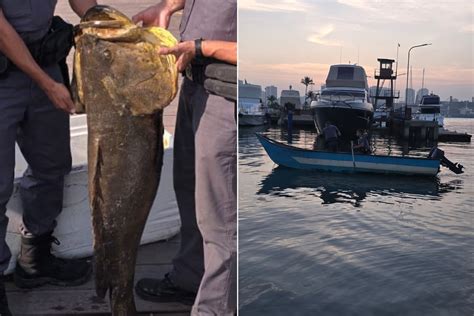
(159, 14)
(13, 47)
(186, 51)
(225, 51)
(80, 7)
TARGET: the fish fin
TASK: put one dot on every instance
(78, 105)
(77, 86)
(101, 276)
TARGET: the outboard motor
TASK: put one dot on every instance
(436, 153)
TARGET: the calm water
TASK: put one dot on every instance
(315, 243)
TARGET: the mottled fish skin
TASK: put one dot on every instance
(123, 87)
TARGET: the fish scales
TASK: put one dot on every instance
(123, 86)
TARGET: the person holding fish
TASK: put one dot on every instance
(205, 166)
(34, 108)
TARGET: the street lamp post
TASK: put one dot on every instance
(408, 73)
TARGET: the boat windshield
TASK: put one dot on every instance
(430, 110)
(342, 95)
(251, 107)
(430, 99)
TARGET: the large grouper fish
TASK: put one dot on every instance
(123, 85)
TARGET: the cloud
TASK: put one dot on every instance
(273, 6)
(299, 67)
(469, 28)
(320, 36)
(284, 74)
(445, 75)
(359, 4)
(409, 10)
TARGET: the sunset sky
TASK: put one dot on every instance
(280, 41)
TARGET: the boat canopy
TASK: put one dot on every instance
(347, 76)
(290, 96)
(251, 91)
(431, 99)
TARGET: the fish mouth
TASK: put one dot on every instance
(107, 23)
(112, 24)
(104, 13)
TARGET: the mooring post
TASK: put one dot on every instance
(290, 127)
(406, 130)
(436, 132)
(423, 132)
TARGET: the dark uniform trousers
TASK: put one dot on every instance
(205, 169)
(28, 117)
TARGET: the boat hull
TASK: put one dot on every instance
(252, 120)
(293, 157)
(347, 120)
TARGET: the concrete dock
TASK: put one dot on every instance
(419, 130)
(153, 260)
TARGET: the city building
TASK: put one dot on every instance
(420, 94)
(410, 97)
(271, 90)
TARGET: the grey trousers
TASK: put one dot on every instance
(28, 117)
(205, 181)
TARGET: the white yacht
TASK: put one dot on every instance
(291, 96)
(251, 109)
(344, 101)
(429, 109)
(301, 114)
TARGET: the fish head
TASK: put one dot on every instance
(118, 58)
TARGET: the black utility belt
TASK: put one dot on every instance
(51, 49)
(217, 78)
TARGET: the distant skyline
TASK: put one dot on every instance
(281, 41)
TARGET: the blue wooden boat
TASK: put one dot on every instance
(299, 158)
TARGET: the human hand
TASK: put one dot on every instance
(157, 15)
(184, 52)
(60, 96)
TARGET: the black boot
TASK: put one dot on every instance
(36, 265)
(4, 311)
(163, 291)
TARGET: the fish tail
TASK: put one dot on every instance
(102, 281)
(121, 304)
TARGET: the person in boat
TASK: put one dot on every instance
(204, 270)
(34, 112)
(331, 136)
(362, 145)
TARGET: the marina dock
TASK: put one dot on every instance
(415, 129)
(153, 260)
(419, 130)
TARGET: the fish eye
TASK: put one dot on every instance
(107, 54)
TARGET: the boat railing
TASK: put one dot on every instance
(339, 96)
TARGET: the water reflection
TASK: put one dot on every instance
(362, 244)
(352, 189)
